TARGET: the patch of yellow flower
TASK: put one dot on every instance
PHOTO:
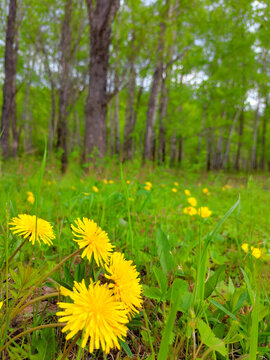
(111, 181)
(163, 185)
(256, 252)
(187, 192)
(128, 182)
(95, 189)
(204, 212)
(86, 194)
(73, 188)
(148, 188)
(206, 191)
(226, 187)
(1, 304)
(192, 201)
(147, 183)
(30, 197)
(131, 199)
(176, 183)
(105, 181)
(190, 210)
(174, 190)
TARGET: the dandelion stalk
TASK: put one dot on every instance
(70, 346)
(29, 331)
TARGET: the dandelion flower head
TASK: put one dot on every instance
(256, 252)
(93, 239)
(147, 183)
(204, 212)
(35, 228)
(148, 188)
(192, 201)
(128, 182)
(97, 313)
(174, 190)
(111, 181)
(245, 247)
(105, 181)
(126, 284)
(187, 192)
(190, 210)
(95, 189)
(1, 304)
(176, 183)
(30, 197)
(206, 191)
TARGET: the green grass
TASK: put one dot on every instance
(204, 297)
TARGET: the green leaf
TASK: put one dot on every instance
(152, 292)
(209, 339)
(161, 279)
(164, 252)
(213, 280)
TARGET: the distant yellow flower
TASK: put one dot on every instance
(192, 201)
(174, 190)
(105, 181)
(111, 181)
(93, 239)
(25, 225)
(176, 183)
(245, 247)
(73, 187)
(49, 183)
(190, 210)
(95, 189)
(97, 313)
(30, 197)
(128, 181)
(130, 199)
(148, 188)
(256, 252)
(163, 185)
(126, 284)
(187, 192)
(206, 191)
(204, 212)
(147, 183)
(86, 194)
(1, 304)
(223, 188)
(199, 184)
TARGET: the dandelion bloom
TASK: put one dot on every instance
(148, 188)
(105, 181)
(30, 197)
(176, 183)
(86, 194)
(25, 225)
(204, 212)
(174, 190)
(93, 239)
(256, 252)
(73, 188)
(95, 189)
(95, 312)
(126, 284)
(1, 304)
(128, 181)
(206, 191)
(131, 199)
(245, 247)
(223, 188)
(192, 201)
(187, 192)
(190, 210)
(111, 181)
(147, 183)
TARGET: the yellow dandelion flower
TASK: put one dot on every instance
(245, 247)
(187, 192)
(95, 189)
(147, 183)
(148, 188)
(73, 188)
(174, 190)
(192, 201)
(128, 181)
(25, 225)
(105, 181)
(176, 183)
(111, 181)
(126, 284)
(205, 191)
(30, 197)
(256, 252)
(223, 188)
(190, 210)
(1, 304)
(97, 313)
(93, 239)
(49, 183)
(204, 212)
(130, 199)
(86, 194)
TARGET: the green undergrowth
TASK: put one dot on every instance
(204, 296)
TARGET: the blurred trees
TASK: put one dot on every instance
(176, 82)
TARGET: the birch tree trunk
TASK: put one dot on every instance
(255, 138)
(240, 136)
(227, 151)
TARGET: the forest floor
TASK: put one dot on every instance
(205, 294)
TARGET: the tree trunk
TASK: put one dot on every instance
(227, 151)
(116, 84)
(240, 136)
(64, 91)
(255, 138)
(149, 142)
(162, 117)
(173, 149)
(8, 117)
(100, 14)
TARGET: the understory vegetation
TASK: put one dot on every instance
(200, 243)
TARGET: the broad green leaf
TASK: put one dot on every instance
(209, 339)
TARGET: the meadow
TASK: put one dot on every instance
(199, 241)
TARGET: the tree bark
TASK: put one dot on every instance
(65, 84)
(255, 138)
(149, 142)
(227, 151)
(8, 118)
(100, 14)
(264, 129)
(240, 136)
